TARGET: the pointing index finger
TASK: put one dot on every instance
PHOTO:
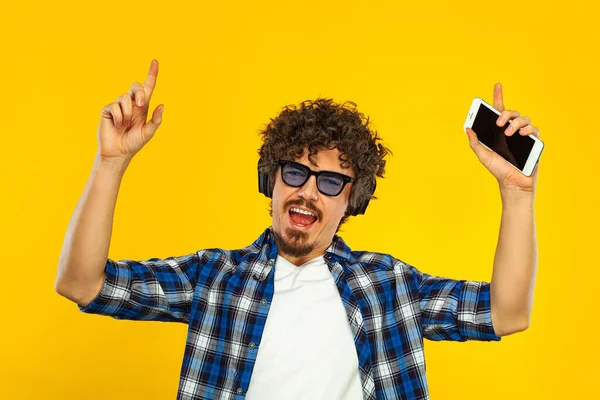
(498, 102)
(150, 81)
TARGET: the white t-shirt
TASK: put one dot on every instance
(307, 349)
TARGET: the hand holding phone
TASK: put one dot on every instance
(521, 151)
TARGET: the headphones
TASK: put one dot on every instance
(264, 187)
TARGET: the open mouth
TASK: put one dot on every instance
(302, 218)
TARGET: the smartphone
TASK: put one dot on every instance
(522, 152)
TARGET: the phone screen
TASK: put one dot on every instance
(515, 149)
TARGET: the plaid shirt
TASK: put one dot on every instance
(224, 297)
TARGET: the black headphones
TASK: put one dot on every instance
(264, 187)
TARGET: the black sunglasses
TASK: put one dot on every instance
(328, 182)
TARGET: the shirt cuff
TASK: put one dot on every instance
(475, 313)
(107, 295)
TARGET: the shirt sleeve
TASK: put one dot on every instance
(457, 310)
(154, 289)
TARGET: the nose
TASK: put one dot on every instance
(309, 189)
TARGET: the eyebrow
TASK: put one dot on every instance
(328, 170)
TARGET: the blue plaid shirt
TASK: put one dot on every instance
(224, 297)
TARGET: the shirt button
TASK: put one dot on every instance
(252, 345)
(263, 302)
(239, 391)
(270, 263)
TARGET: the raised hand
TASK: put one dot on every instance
(123, 129)
(508, 177)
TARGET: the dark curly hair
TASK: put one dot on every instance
(322, 123)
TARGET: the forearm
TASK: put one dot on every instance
(515, 263)
(85, 248)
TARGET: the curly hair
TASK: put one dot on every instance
(322, 123)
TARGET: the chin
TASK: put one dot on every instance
(294, 242)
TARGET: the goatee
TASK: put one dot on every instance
(296, 246)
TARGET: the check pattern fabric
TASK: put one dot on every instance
(224, 297)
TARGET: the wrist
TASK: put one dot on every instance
(512, 196)
(116, 165)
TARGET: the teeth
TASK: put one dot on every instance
(297, 210)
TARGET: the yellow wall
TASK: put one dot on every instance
(225, 69)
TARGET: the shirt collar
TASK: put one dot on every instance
(337, 250)
(266, 247)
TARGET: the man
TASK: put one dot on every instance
(298, 314)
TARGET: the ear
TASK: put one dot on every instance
(351, 207)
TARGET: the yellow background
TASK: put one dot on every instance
(225, 70)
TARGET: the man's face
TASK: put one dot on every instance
(296, 235)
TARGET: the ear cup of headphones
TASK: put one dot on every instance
(264, 186)
(363, 206)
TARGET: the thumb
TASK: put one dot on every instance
(152, 125)
(480, 151)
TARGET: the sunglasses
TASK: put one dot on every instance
(328, 182)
